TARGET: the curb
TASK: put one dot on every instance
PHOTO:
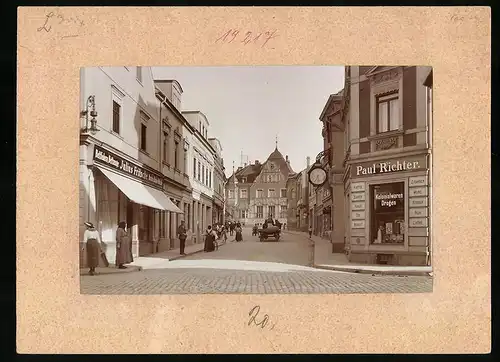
(192, 253)
(112, 270)
(363, 271)
(368, 271)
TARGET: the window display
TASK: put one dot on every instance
(387, 213)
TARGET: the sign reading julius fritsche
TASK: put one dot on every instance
(103, 156)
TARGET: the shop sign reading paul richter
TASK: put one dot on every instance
(388, 166)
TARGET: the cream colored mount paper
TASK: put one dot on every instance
(53, 317)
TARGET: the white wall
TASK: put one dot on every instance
(133, 96)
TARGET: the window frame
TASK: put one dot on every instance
(387, 98)
(117, 96)
(259, 214)
(257, 194)
(144, 137)
(138, 74)
(371, 217)
(269, 192)
(281, 193)
(246, 193)
(176, 155)
(283, 211)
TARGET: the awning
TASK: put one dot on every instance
(140, 193)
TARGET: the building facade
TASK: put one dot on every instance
(387, 185)
(121, 173)
(201, 164)
(332, 160)
(219, 180)
(292, 186)
(174, 146)
(259, 190)
(303, 219)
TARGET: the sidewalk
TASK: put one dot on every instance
(148, 261)
(152, 260)
(325, 259)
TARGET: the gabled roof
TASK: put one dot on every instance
(250, 172)
(333, 97)
(378, 69)
(278, 158)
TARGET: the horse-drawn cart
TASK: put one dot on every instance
(269, 232)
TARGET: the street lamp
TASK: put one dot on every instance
(93, 121)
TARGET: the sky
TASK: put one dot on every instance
(248, 107)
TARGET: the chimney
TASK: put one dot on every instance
(308, 161)
(287, 160)
(245, 164)
(257, 162)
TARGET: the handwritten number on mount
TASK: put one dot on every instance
(59, 19)
(231, 35)
(44, 27)
(231, 32)
(254, 312)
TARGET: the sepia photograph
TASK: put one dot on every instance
(255, 180)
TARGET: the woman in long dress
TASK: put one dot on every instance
(92, 242)
(210, 237)
(123, 249)
(239, 234)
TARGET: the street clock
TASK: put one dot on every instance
(317, 175)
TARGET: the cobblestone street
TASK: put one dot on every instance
(268, 271)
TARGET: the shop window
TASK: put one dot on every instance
(260, 212)
(387, 213)
(143, 223)
(162, 224)
(108, 196)
(388, 113)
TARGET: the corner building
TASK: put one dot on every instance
(121, 173)
(387, 114)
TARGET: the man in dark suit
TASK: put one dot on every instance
(182, 232)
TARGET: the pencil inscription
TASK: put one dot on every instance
(262, 323)
(54, 19)
(247, 37)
